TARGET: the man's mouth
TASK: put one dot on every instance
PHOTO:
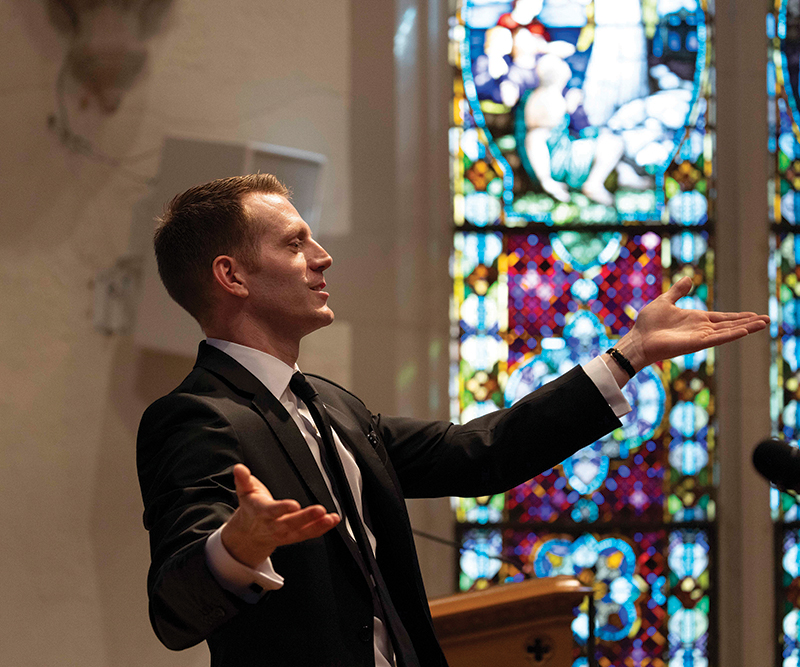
(319, 288)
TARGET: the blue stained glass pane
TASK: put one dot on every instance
(630, 144)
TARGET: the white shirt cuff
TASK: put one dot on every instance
(604, 380)
(245, 582)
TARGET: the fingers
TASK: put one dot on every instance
(729, 334)
(289, 518)
(749, 324)
(756, 325)
(679, 290)
(320, 527)
(726, 332)
(291, 521)
(253, 494)
(723, 337)
(736, 317)
(305, 524)
(277, 526)
(247, 483)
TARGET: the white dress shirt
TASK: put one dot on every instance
(275, 375)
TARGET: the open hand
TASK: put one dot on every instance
(261, 523)
(663, 330)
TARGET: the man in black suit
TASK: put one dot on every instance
(247, 467)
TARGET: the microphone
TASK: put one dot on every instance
(455, 545)
(779, 463)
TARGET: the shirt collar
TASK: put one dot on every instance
(270, 371)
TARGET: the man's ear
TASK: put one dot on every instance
(229, 276)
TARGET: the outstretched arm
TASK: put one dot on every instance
(663, 330)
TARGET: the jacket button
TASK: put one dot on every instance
(365, 634)
(217, 613)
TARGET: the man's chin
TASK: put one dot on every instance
(323, 319)
(319, 320)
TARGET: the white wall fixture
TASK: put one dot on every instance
(115, 291)
(107, 44)
(161, 324)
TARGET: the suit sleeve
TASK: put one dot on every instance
(500, 450)
(186, 450)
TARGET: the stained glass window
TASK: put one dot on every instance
(581, 146)
(783, 32)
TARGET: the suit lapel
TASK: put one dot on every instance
(295, 446)
(286, 433)
(293, 443)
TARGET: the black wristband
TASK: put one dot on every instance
(622, 360)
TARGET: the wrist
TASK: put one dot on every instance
(622, 361)
(241, 547)
(620, 376)
(631, 350)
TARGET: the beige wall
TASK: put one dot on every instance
(74, 554)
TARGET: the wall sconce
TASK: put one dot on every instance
(107, 43)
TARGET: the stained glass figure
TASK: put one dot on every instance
(597, 111)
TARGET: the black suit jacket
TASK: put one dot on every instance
(221, 415)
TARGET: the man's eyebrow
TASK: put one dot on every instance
(296, 229)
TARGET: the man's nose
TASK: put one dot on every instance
(322, 260)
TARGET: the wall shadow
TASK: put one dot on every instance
(118, 538)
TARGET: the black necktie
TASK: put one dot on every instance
(329, 454)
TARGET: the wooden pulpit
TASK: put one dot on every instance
(521, 624)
